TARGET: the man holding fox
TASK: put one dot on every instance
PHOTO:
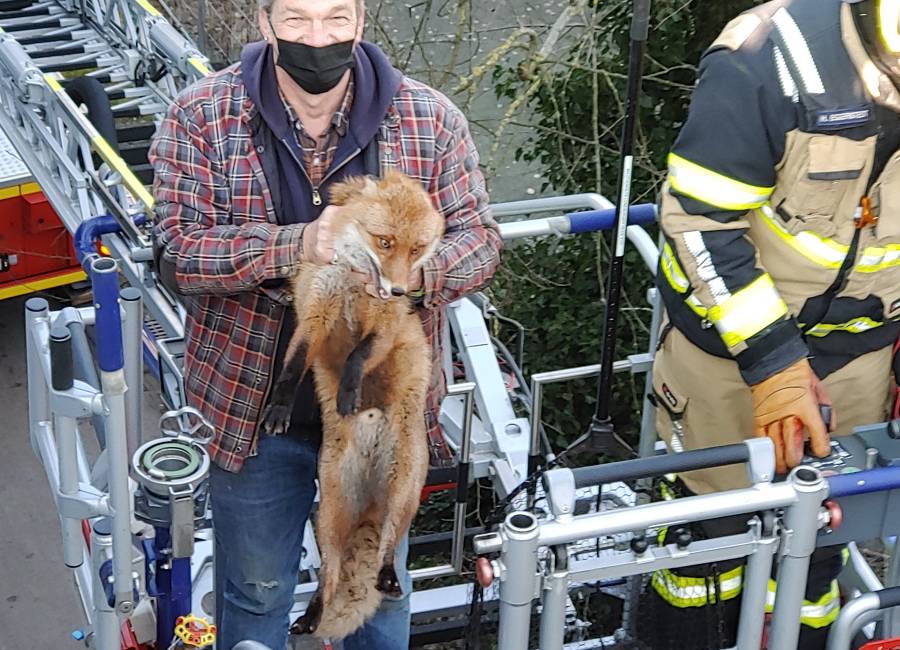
(244, 162)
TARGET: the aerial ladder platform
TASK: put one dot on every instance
(83, 86)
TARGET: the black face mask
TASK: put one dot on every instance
(315, 69)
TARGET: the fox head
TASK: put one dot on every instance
(389, 228)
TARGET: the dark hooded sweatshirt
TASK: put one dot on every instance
(376, 81)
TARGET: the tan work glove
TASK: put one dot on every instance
(783, 406)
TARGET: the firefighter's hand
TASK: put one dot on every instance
(318, 238)
(785, 406)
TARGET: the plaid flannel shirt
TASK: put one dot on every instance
(216, 222)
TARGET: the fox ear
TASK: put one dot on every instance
(357, 186)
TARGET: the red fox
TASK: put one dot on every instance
(372, 367)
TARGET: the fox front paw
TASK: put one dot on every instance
(277, 418)
(388, 582)
(349, 399)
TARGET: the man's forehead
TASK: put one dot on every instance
(315, 6)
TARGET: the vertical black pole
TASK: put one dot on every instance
(601, 435)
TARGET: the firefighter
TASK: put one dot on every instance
(780, 272)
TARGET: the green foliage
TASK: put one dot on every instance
(556, 287)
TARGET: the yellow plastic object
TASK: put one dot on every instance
(194, 631)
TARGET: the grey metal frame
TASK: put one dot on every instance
(521, 536)
(854, 614)
(52, 417)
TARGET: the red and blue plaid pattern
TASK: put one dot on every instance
(215, 219)
(318, 151)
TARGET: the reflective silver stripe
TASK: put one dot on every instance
(798, 50)
(784, 76)
(705, 268)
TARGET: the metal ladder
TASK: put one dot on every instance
(142, 62)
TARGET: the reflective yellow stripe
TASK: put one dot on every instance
(149, 8)
(684, 591)
(199, 65)
(101, 146)
(822, 251)
(672, 270)
(827, 252)
(115, 161)
(876, 258)
(713, 188)
(823, 611)
(30, 286)
(53, 83)
(748, 311)
(696, 306)
(678, 280)
(817, 614)
(855, 326)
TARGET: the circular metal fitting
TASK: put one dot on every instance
(520, 523)
(805, 475)
(170, 463)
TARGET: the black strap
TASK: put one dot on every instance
(824, 300)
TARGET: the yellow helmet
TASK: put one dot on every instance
(878, 24)
(889, 24)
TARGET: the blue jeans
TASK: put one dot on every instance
(259, 515)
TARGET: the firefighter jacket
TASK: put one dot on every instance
(768, 255)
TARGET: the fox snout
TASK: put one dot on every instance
(398, 291)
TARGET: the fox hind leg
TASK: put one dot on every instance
(311, 618)
(403, 498)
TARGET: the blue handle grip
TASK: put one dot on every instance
(871, 480)
(593, 220)
(90, 230)
(105, 283)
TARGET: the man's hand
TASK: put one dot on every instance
(783, 406)
(318, 237)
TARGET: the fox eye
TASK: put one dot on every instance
(384, 243)
(415, 251)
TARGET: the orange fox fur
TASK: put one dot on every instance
(372, 368)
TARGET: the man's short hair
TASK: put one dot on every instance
(266, 5)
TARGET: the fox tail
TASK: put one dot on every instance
(357, 598)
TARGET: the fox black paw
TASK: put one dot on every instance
(309, 622)
(348, 400)
(277, 418)
(388, 583)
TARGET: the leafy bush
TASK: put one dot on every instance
(556, 287)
